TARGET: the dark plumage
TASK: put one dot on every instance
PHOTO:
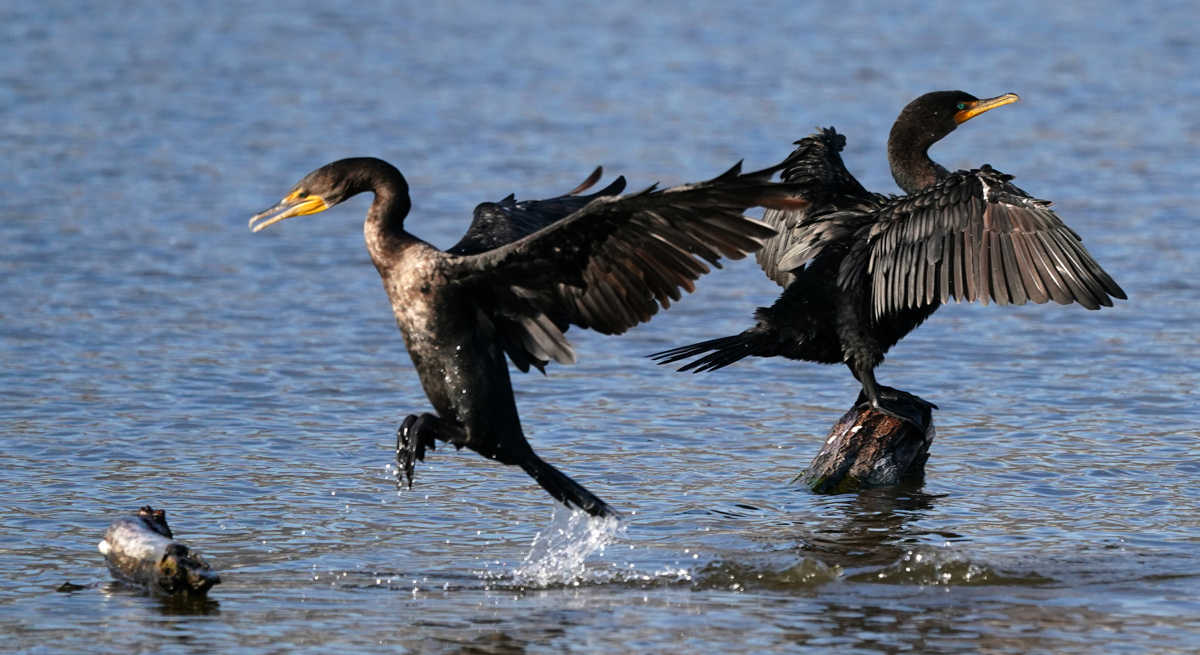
(862, 270)
(520, 276)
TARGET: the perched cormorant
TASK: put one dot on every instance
(521, 275)
(861, 270)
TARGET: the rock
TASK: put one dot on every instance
(868, 448)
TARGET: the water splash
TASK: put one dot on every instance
(560, 550)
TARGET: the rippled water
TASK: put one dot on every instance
(154, 351)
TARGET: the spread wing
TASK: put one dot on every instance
(498, 223)
(974, 236)
(839, 204)
(613, 263)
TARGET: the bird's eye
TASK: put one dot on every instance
(961, 106)
(303, 195)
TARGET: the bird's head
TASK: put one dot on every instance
(327, 186)
(941, 112)
(924, 122)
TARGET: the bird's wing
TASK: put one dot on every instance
(609, 266)
(499, 223)
(974, 236)
(838, 204)
(530, 337)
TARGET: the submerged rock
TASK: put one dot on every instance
(140, 550)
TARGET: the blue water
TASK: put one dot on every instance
(154, 351)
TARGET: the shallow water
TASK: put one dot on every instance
(154, 351)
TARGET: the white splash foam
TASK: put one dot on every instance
(560, 550)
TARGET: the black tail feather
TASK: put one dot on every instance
(723, 351)
(565, 490)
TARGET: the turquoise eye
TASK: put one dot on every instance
(961, 106)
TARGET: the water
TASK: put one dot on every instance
(154, 351)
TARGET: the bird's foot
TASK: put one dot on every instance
(413, 437)
(897, 411)
(900, 405)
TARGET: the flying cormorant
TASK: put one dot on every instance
(521, 275)
(861, 270)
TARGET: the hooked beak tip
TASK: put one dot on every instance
(270, 220)
(287, 208)
(264, 214)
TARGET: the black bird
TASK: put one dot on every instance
(861, 270)
(520, 276)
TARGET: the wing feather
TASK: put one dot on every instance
(1012, 271)
(970, 266)
(974, 236)
(610, 264)
(946, 267)
(1055, 286)
(817, 170)
(998, 278)
(1031, 279)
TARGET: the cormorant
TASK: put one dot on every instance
(861, 270)
(520, 276)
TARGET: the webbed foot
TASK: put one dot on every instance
(412, 438)
(899, 405)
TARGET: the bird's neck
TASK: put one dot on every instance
(908, 155)
(384, 228)
(386, 217)
(389, 210)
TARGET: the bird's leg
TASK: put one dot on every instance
(900, 404)
(417, 433)
(870, 388)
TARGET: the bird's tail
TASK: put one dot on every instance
(565, 490)
(721, 352)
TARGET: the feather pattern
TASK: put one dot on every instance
(838, 204)
(497, 223)
(612, 261)
(1015, 249)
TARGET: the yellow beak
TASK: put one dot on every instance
(293, 205)
(972, 109)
